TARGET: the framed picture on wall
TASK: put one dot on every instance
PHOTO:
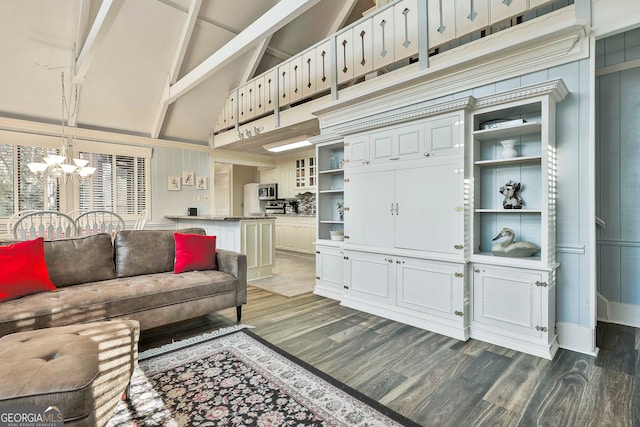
(173, 183)
(201, 183)
(188, 178)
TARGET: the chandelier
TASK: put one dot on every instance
(60, 165)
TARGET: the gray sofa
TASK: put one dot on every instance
(129, 278)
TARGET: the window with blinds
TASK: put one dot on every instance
(19, 188)
(119, 184)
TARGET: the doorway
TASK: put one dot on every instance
(618, 178)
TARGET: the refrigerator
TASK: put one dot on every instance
(251, 203)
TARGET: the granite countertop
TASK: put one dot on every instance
(219, 218)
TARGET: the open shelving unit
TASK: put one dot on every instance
(330, 190)
(530, 166)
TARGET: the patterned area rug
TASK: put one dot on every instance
(235, 378)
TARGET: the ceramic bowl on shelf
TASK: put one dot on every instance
(336, 234)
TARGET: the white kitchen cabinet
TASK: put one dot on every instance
(305, 170)
(329, 271)
(423, 293)
(285, 179)
(296, 233)
(515, 308)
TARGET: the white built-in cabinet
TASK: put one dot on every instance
(514, 297)
(422, 205)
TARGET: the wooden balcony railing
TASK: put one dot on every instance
(390, 36)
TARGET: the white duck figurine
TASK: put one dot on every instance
(510, 248)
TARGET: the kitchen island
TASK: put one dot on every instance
(253, 236)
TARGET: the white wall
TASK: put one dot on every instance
(167, 162)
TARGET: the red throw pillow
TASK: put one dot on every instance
(194, 252)
(23, 270)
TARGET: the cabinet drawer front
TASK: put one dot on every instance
(508, 299)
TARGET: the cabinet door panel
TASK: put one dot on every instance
(381, 146)
(305, 239)
(409, 141)
(356, 150)
(508, 299)
(267, 236)
(370, 276)
(251, 235)
(290, 236)
(430, 218)
(444, 136)
(429, 287)
(329, 265)
(369, 219)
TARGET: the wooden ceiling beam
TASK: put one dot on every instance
(342, 17)
(274, 19)
(176, 64)
(97, 34)
(258, 53)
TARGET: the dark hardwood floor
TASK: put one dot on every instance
(439, 381)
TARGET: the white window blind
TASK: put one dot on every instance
(19, 188)
(120, 183)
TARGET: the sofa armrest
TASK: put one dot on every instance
(235, 264)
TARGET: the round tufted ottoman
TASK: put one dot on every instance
(83, 369)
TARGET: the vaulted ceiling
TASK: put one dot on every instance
(120, 55)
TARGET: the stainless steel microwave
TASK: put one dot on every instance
(268, 192)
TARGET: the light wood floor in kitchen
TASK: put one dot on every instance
(439, 381)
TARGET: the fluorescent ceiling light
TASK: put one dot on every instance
(286, 147)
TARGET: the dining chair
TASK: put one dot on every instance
(99, 221)
(13, 218)
(74, 213)
(141, 221)
(51, 225)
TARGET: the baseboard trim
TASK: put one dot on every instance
(577, 338)
(623, 314)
